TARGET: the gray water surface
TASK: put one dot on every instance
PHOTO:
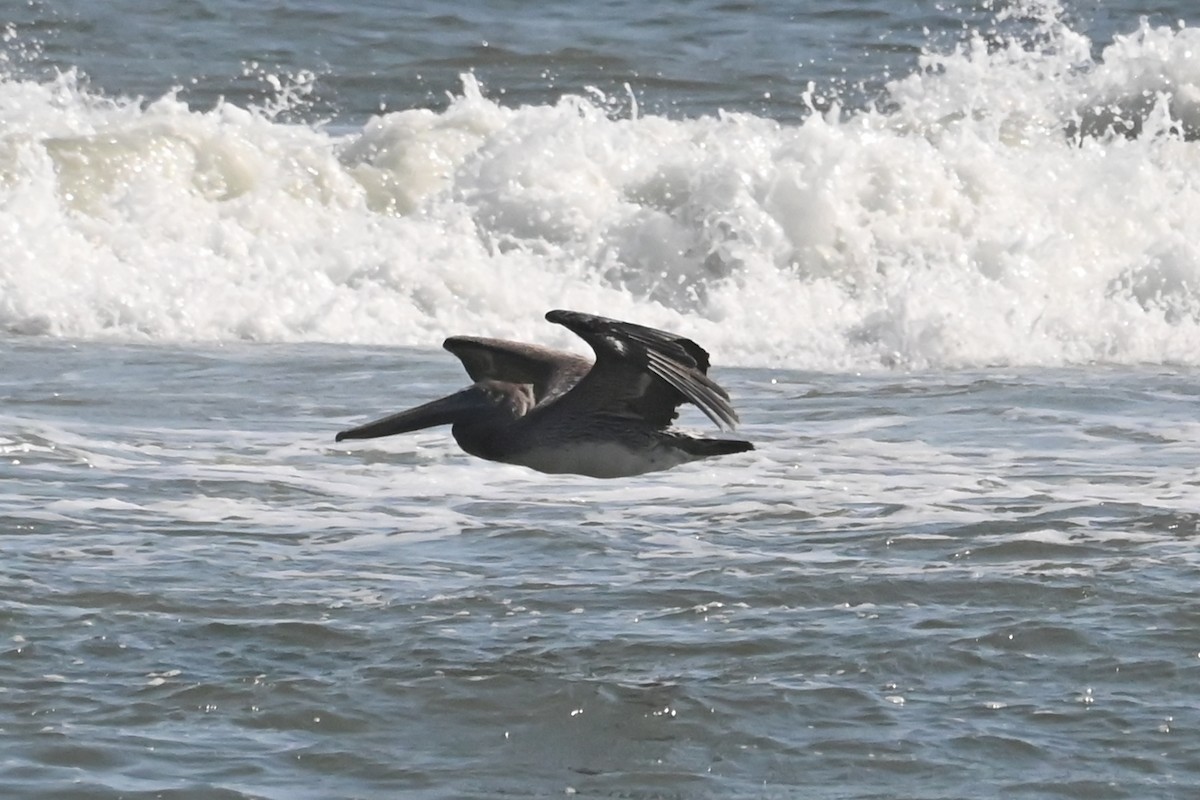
(977, 584)
(687, 59)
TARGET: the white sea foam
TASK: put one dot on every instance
(1013, 202)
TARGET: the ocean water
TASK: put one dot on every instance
(944, 256)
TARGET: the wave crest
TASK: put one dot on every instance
(1013, 201)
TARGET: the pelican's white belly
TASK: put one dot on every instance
(601, 459)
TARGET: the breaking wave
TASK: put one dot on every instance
(1016, 200)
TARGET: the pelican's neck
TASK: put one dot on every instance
(487, 435)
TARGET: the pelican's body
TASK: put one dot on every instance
(559, 413)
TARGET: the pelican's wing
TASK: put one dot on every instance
(644, 372)
(551, 372)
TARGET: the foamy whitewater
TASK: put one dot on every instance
(1014, 201)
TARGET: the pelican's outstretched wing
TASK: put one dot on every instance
(551, 372)
(644, 372)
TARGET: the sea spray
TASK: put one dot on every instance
(1014, 200)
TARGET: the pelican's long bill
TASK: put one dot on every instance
(444, 411)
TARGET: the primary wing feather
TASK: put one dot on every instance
(628, 354)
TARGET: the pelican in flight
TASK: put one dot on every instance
(557, 412)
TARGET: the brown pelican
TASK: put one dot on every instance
(557, 412)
